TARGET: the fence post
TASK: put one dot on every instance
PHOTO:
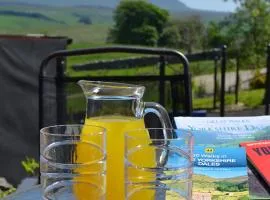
(161, 81)
(223, 73)
(215, 80)
(267, 82)
(237, 79)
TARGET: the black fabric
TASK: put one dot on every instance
(20, 58)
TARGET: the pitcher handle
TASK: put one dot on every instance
(160, 112)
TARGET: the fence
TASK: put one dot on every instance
(216, 55)
(61, 79)
(267, 83)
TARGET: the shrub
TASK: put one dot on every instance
(200, 90)
(145, 35)
(169, 37)
(257, 81)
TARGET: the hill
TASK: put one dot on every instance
(84, 23)
(168, 4)
(55, 21)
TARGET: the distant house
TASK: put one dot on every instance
(201, 196)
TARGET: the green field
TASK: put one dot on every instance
(63, 21)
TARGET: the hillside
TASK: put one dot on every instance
(206, 16)
(168, 4)
(88, 23)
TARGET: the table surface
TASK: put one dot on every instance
(33, 193)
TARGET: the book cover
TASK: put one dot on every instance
(230, 132)
(258, 154)
(220, 173)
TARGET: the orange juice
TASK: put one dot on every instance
(89, 182)
(116, 127)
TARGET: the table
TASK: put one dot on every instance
(33, 193)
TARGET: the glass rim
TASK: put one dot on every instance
(43, 132)
(111, 84)
(184, 133)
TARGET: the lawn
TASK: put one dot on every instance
(251, 99)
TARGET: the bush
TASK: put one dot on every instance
(200, 90)
(258, 81)
(85, 20)
(170, 37)
(145, 35)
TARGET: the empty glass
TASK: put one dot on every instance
(158, 164)
(72, 162)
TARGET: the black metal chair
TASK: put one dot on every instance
(56, 87)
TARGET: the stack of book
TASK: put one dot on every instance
(232, 156)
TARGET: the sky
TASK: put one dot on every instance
(217, 5)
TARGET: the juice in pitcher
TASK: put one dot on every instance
(116, 126)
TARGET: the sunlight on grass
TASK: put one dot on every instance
(252, 99)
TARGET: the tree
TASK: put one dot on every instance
(215, 36)
(248, 29)
(134, 17)
(85, 20)
(191, 31)
(170, 37)
(145, 34)
(245, 32)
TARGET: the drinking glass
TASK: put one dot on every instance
(159, 166)
(73, 162)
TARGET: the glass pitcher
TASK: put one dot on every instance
(119, 108)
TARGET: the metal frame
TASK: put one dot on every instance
(223, 80)
(267, 83)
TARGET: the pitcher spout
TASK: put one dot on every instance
(111, 90)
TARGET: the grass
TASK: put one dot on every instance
(94, 34)
(251, 99)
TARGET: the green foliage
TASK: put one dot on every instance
(7, 192)
(251, 99)
(145, 34)
(191, 31)
(85, 20)
(215, 37)
(246, 31)
(133, 17)
(170, 37)
(30, 165)
(258, 80)
(199, 90)
(231, 187)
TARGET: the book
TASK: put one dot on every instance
(258, 154)
(230, 132)
(219, 172)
